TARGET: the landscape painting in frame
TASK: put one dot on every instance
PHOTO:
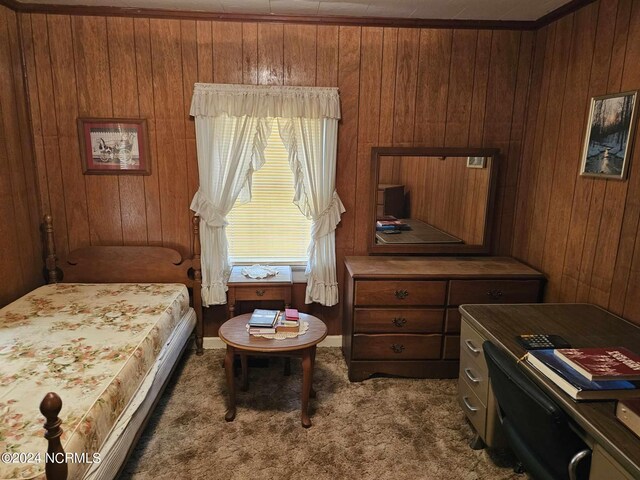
(114, 146)
(476, 162)
(607, 146)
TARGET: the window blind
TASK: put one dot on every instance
(270, 228)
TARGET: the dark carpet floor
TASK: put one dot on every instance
(377, 429)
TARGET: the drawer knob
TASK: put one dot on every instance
(397, 348)
(494, 293)
(399, 321)
(401, 294)
(260, 293)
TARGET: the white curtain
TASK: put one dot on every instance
(312, 147)
(229, 150)
(232, 125)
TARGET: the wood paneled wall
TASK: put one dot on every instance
(20, 251)
(581, 232)
(427, 87)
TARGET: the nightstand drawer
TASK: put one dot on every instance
(396, 347)
(493, 291)
(371, 292)
(383, 320)
(261, 292)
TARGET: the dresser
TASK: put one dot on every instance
(390, 200)
(401, 313)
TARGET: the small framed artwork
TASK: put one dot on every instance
(607, 144)
(476, 162)
(114, 146)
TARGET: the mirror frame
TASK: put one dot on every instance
(431, 248)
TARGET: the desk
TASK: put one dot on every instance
(241, 288)
(616, 448)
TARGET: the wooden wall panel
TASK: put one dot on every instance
(398, 86)
(582, 232)
(20, 246)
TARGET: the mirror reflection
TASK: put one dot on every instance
(432, 199)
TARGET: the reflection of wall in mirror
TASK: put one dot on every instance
(442, 192)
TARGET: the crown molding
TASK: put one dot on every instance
(58, 9)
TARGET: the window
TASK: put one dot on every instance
(270, 228)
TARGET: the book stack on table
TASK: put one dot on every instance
(274, 321)
(590, 373)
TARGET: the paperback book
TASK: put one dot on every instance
(263, 318)
(575, 384)
(628, 412)
(612, 363)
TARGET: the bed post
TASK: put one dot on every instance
(197, 284)
(50, 407)
(50, 261)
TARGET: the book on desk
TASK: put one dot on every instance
(609, 363)
(574, 383)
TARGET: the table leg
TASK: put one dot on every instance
(228, 366)
(232, 309)
(307, 378)
(244, 363)
(312, 393)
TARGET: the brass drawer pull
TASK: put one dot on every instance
(260, 293)
(495, 293)
(401, 294)
(472, 347)
(399, 321)
(470, 376)
(470, 407)
(397, 348)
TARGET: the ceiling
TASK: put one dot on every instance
(526, 10)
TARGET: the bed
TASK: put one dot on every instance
(103, 338)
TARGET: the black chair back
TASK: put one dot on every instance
(537, 430)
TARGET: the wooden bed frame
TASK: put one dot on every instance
(117, 264)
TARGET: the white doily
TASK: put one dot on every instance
(304, 326)
(259, 271)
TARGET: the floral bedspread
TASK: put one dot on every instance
(92, 344)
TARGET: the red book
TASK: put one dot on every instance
(596, 364)
(291, 314)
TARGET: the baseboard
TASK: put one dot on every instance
(210, 343)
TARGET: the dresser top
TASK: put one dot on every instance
(434, 267)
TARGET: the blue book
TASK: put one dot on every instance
(263, 318)
(576, 385)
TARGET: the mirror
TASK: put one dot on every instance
(432, 200)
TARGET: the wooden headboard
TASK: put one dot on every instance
(129, 264)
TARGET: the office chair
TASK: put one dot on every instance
(537, 429)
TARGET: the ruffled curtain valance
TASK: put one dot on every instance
(215, 99)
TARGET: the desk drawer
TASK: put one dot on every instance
(493, 291)
(475, 375)
(471, 344)
(261, 293)
(383, 293)
(396, 347)
(383, 320)
(473, 408)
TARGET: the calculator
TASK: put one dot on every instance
(542, 341)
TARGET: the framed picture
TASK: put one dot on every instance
(476, 162)
(607, 145)
(114, 146)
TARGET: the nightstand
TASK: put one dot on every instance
(241, 288)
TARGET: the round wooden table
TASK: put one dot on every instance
(234, 333)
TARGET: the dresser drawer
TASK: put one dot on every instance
(386, 320)
(471, 344)
(493, 291)
(261, 293)
(475, 375)
(391, 292)
(451, 347)
(473, 408)
(396, 347)
(452, 320)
